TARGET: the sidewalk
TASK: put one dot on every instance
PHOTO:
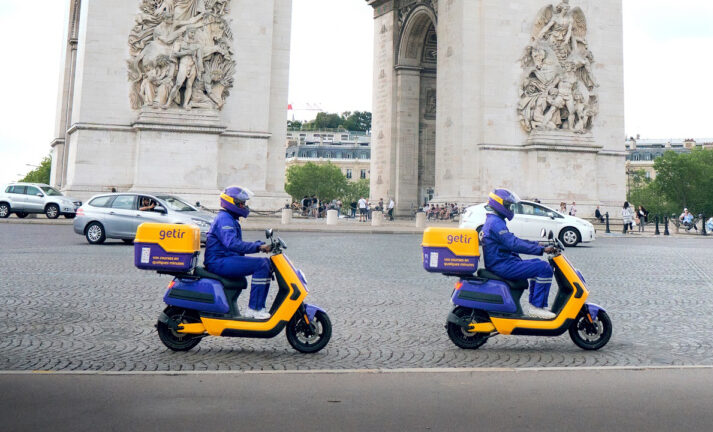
(399, 226)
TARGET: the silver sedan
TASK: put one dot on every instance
(118, 215)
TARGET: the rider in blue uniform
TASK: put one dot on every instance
(501, 249)
(225, 250)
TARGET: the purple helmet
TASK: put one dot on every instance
(502, 201)
(234, 200)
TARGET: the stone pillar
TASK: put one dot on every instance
(286, 216)
(420, 220)
(332, 217)
(377, 219)
(407, 134)
(383, 100)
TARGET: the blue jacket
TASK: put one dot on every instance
(501, 247)
(225, 239)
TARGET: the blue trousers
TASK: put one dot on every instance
(239, 266)
(539, 272)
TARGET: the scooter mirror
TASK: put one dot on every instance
(268, 233)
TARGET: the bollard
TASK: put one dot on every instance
(703, 222)
(665, 230)
(420, 220)
(332, 217)
(377, 218)
(608, 231)
(658, 232)
(286, 216)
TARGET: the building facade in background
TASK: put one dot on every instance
(642, 153)
(350, 151)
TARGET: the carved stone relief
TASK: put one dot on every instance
(558, 90)
(181, 54)
(430, 104)
(406, 6)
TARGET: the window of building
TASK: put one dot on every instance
(327, 155)
(349, 155)
(345, 137)
(363, 156)
(363, 174)
(349, 173)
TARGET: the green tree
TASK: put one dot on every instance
(41, 174)
(682, 180)
(325, 121)
(326, 182)
(294, 125)
(359, 121)
(356, 190)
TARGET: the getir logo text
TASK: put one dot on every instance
(163, 234)
(459, 239)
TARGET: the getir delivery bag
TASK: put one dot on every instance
(450, 251)
(167, 247)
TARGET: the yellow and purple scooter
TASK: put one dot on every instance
(486, 305)
(201, 304)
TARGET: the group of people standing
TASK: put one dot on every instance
(366, 208)
(634, 217)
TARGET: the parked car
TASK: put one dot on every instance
(25, 198)
(529, 220)
(117, 215)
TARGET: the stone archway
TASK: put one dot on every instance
(404, 141)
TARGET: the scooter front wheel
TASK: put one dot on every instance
(591, 335)
(309, 338)
(171, 338)
(460, 336)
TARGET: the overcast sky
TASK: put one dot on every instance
(668, 62)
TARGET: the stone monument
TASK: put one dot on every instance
(458, 109)
(203, 106)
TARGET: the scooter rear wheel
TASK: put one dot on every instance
(171, 338)
(591, 336)
(462, 338)
(312, 337)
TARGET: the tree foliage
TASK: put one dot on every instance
(41, 174)
(682, 180)
(357, 121)
(356, 190)
(326, 182)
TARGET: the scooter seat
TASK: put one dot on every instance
(230, 284)
(516, 285)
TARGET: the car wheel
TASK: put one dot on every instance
(95, 233)
(21, 215)
(4, 210)
(570, 237)
(52, 211)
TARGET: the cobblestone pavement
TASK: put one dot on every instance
(66, 305)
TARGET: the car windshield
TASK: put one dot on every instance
(51, 191)
(176, 204)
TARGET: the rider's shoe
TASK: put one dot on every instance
(257, 314)
(535, 312)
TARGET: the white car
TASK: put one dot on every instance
(529, 220)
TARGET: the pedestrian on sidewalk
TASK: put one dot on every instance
(391, 209)
(598, 215)
(573, 209)
(362, 209)
(643, 218)
(628, 216)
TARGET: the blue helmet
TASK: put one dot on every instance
(234, 200)
(502, 202)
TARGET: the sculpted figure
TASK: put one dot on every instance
(170, 45)
(190, 65)
(558, 82)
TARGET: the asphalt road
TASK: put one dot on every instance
(68, 306)
(491, 400)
